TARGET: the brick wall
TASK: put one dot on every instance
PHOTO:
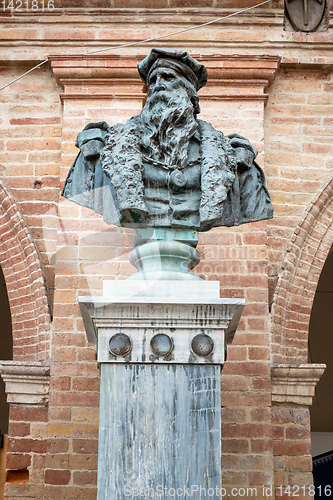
(31, 129)
(26, 451)
(262, 444)
(292, 448)
(298, 152)
(153, 4)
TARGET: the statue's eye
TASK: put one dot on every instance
(168, 77)
(152, 81)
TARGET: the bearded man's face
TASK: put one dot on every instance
(164, 79)
(168, 116)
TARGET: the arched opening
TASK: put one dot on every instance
(320, 351)
(306, 254)
(27, 296)
(293, 298)
(6, 349)
(6, 353)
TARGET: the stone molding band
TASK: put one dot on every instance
(105, 76)
(26, 382)
(295, 384)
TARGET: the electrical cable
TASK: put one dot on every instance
(144, 41)
(180, 31)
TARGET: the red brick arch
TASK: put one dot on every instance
(22, 270)
(304, 260)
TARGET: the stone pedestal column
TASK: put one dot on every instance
(160, 348)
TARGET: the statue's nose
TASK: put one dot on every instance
(160, 84)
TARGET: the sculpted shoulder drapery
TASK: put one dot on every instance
(165, 168)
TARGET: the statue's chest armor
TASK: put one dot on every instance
(172, 194)
(172, 179)
(175, 180)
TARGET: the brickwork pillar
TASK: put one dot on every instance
(292, 392)
(27, 389)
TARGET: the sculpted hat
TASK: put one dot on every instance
(179, 60)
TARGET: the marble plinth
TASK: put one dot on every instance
(160, 410)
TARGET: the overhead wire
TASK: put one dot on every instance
(140, 42)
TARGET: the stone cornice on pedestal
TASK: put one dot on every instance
(237, 77)
(295, 384)
(26, 382)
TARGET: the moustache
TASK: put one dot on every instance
(155, 96)
(160, 96)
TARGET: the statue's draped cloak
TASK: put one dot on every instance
(113, 184)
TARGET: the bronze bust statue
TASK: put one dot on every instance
(165, 168)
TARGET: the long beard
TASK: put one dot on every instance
(168, 125)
